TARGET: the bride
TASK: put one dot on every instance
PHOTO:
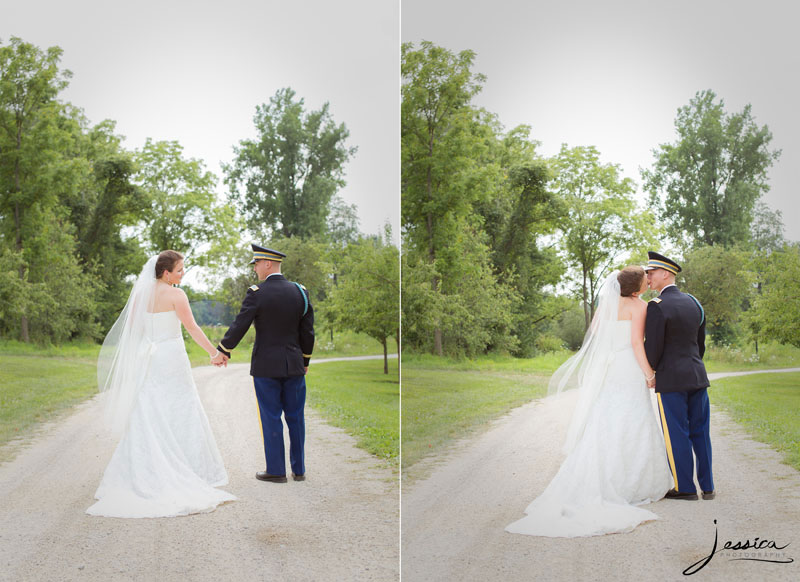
(616, 459)
(167, 462)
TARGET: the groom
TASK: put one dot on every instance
(675, 332)
(284, 320)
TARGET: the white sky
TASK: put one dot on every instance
(612, 74)
(194, 71)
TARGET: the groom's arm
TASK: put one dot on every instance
(307, 334)
(654, 328)
(241, 324)
(701, 337)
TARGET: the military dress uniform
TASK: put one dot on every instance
(283, 317)
(675, 331)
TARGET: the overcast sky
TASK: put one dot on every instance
(613, 73)
(194, 71)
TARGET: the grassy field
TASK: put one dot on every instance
(444, 400)
(733, 359)
(34, 389)
(767, 406)
(361, 399)
(38, 384)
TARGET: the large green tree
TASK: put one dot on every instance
(284, 180)
(445, 143)
(602, 222)
(30, 81)
(519, 219)
(366, 298)
(40, 167)
(775, 313)
(705, 184)
(184, 214)
(719, 279)
(104, 203)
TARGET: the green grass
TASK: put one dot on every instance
(361, 399)
(34, 389)
(444, 400)
(767, 406)
(345, 343)
(743, 358)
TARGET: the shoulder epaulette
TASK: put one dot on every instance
(253, 288)
(656, 299)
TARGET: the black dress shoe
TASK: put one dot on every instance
(299, 477)
(672, 494)
(264, 476)
(709, 494)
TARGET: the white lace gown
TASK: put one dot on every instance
(619, 463)
(167, 463)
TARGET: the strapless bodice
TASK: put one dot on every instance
(621, 338)
(164, 325)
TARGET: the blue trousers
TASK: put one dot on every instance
(287, 396)
(685, 422)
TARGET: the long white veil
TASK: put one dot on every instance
(122, 363)
(586, 370)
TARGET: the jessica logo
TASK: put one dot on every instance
(756, 551)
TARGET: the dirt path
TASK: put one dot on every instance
(454, 513)
(340, 524)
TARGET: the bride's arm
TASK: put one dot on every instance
(184, 313)
(637, 338)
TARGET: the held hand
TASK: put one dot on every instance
(219, 359)
(651, 381)
(306, 370)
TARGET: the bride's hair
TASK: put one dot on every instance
(166, 262)
(630, 280)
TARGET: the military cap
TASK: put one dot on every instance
(657, 261)
(266, 254)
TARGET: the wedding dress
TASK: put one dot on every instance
(167, 463)
(617, 459)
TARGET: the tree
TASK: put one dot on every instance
(101, 204)
(775, 313)
(602, 221)
(367, 296)
(184, 215)
(41, 166)
(342, 222)
(704, 185)
(443, 143)
(284, 180)
(766, 230)
(30, 81)
(718, 278)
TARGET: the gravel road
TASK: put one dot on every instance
(454, 509)
(342, 523)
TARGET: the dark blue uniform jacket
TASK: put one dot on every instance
(675, 335)
(284, 336)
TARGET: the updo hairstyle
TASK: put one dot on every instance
(166, 262)
(630, 280)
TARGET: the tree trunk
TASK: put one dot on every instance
(385, 357)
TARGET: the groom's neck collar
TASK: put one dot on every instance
(667, 287)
